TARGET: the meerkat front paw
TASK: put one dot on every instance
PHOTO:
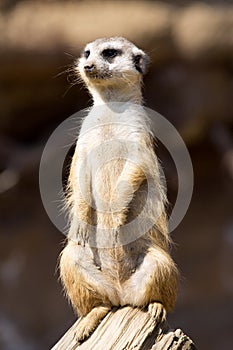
(84, 331)
(157, 312)
(90, 322)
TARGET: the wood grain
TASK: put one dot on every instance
(127, 329)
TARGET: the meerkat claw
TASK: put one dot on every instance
(157, 311)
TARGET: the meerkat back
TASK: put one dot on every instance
(118, 245)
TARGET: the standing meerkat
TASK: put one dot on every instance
(118, 243)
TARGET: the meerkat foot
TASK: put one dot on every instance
(157, 311)
(89, 323)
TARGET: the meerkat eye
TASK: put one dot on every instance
(86, 53)
(111, 53)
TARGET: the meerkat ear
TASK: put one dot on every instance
(141, 62)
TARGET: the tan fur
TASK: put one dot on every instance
(106, 263)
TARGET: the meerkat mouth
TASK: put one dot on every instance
(98, 76)
(92, 72)
(98, 79)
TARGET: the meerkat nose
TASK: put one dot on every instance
(89, 69)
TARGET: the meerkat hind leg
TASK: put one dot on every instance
(89, 322)
(157, 311)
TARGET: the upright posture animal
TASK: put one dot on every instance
(118, 244)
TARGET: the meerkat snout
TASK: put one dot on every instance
(89, 69)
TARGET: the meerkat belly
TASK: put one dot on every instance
(104, 183)
(119, 263)
(112, 147)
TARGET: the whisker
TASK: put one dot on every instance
(70, 55)
(68, 89)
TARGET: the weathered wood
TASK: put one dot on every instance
(127, 328)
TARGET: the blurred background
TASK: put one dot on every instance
(190, 82)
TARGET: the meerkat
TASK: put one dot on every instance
(118, 249)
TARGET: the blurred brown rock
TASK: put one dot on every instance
(205, 32)
(36, 35)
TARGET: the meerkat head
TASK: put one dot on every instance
(112, 68)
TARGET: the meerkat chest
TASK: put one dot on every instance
(113, 128)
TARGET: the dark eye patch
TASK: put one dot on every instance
(86, 53)
(111, 53)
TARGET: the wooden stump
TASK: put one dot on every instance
(127, 329)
